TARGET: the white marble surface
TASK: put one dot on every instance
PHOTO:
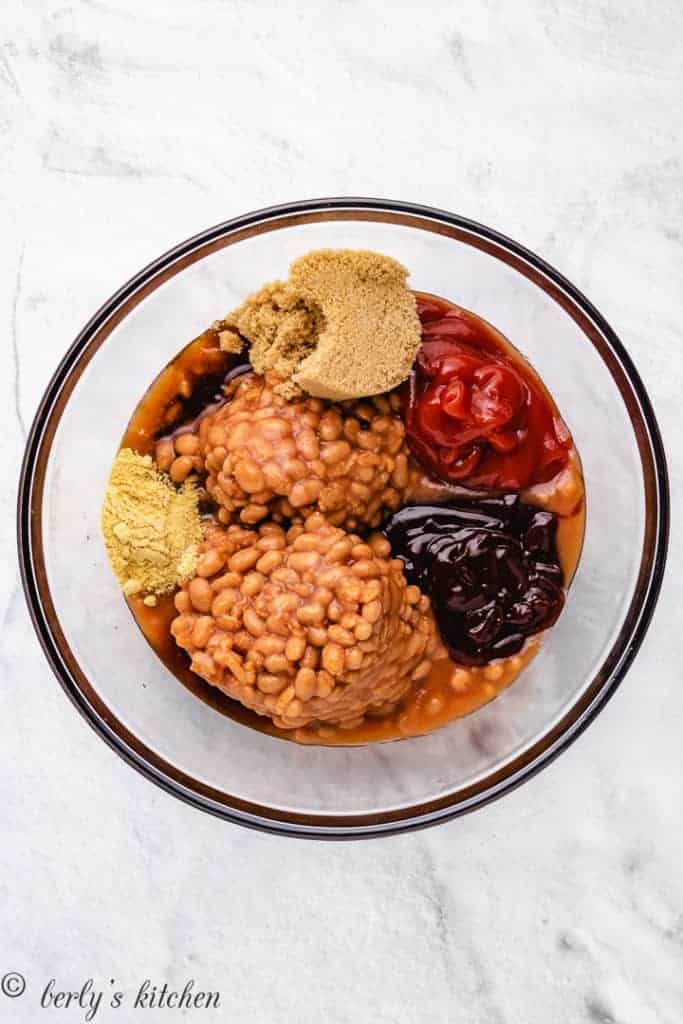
(127, 127)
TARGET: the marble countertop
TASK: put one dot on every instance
(127, 127)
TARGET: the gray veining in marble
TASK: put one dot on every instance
(127, 127)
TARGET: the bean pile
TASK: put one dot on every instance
(179, 456)
(267, 458)
(309, 624)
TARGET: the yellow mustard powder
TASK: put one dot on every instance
(151, 529)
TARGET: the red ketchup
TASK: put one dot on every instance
(475, 413)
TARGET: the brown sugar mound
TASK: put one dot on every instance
(344, 325)
(266, 457)
(282, 331)
(308, 625)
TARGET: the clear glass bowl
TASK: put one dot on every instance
(125, 692)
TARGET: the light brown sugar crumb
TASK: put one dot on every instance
(230, 341)
(344, 325)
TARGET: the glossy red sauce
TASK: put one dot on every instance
(476, 413)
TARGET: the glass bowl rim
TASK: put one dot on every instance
(519, 769)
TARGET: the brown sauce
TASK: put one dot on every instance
(187, 388)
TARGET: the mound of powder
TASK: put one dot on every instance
(344, 325)
(152, 531)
